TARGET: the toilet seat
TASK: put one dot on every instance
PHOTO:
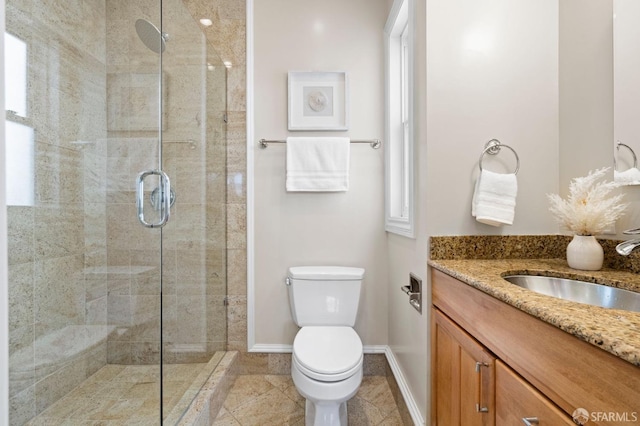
(326, 377)
(327, 353)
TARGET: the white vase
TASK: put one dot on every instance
(585, 252)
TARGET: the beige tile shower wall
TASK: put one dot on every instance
(194, 156)
(56, 304)
(133, 253)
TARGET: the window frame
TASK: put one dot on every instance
(399, 119)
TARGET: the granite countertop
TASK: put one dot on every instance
(615, 331)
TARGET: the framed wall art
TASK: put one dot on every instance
(318, 101)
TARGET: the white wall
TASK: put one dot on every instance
(408, 330)
(626, 68)
(324, 228)
(586, 88)
(482, 71)
(491, 72)
(623, 115)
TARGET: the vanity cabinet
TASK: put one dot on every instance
(486, 352)
(474, 388)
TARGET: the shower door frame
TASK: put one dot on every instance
(4, 279)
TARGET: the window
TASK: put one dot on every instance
(399, 197)
(15, 59)
(19, 169)
(19, 137)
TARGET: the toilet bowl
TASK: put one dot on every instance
(327, 358)
(326, 368)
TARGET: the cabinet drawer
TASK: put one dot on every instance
(516, 399)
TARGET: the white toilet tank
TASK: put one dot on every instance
(324, 295)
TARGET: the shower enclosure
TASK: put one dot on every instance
(116, 168)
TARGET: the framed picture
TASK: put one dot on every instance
(318, 101)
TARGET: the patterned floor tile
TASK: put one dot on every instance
(252, 402)
(128, 396)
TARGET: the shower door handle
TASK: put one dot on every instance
(165, 190)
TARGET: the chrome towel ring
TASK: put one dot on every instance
(635, 159)
(493, 148)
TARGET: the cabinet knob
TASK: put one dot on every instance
(530, 421)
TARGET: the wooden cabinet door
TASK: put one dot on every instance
(516, 400)
(463, 377)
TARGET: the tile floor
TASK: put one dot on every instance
(119, 395)
(265, 400)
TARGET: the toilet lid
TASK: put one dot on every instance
(327, 350)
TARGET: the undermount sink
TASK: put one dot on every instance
(579, 291)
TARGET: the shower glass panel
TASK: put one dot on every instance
(194, 240)
(111, 320)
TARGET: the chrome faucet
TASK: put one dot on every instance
(626, 247)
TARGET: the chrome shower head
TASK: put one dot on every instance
(151, 36)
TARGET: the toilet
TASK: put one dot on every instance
(326, 364)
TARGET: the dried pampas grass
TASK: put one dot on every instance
(590, 208)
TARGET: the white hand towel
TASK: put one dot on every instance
(494, 198)
(318, 164)
(629, 176)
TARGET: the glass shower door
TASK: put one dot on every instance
(83, 100)
(116, 172)
(194, 239)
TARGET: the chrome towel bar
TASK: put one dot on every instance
(375, 143)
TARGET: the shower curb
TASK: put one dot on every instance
(209, 399)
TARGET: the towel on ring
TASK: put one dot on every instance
(628, 176)
(494, 198)
(318, 164)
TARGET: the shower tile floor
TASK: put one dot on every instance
(267, 400)
(119, 395)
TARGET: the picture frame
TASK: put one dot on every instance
(318, 101)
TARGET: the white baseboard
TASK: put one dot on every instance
(276, 348)
(375, 349)
(416, 416)
(271, 348)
